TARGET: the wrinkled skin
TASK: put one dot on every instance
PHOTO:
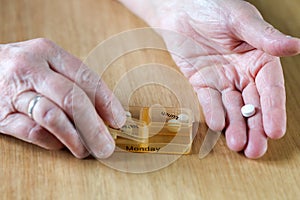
(231, 57)
(68, 88)
(228, 52)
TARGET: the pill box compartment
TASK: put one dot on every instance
(155, 130)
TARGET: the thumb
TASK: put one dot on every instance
(261, 35)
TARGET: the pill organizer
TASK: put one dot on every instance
(155, 130)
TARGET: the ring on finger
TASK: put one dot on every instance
(32, 104)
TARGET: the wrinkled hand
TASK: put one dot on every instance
(230, 55)
(68, 88)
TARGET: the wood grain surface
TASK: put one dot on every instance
(30, 172)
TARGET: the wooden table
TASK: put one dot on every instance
(29, 172)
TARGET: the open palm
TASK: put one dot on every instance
(231, 57)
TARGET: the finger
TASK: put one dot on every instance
(52, 118)
(211, 102)
(76, 104)
(207, 82)
(257, 140)
(236, 131)
(270, 86)
(107, 105)
(22, 127)
(261, 35)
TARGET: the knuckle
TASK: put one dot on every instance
(43, 42)
(68, 101)
(19, 65)
(50, 116)
(107, 103)
(16, 62)
(269, 30)
(87, 78)
(73, 100)
(33, 134)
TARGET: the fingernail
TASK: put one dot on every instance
(107, 150)
(118, 114)
(104, 146)
(120, 121)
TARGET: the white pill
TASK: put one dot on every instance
(128, 114)
(248, 110)
(173, 125)
(183, 118)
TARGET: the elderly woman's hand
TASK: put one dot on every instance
(48, 97)
(230, 55)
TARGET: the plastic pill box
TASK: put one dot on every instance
(155, 130)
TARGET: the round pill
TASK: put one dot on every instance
(248, 110)
(173, 125)
(183, 118)
(128, 114)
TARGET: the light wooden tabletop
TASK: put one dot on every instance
(30, 172)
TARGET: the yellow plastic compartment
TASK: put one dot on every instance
(156, 130)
